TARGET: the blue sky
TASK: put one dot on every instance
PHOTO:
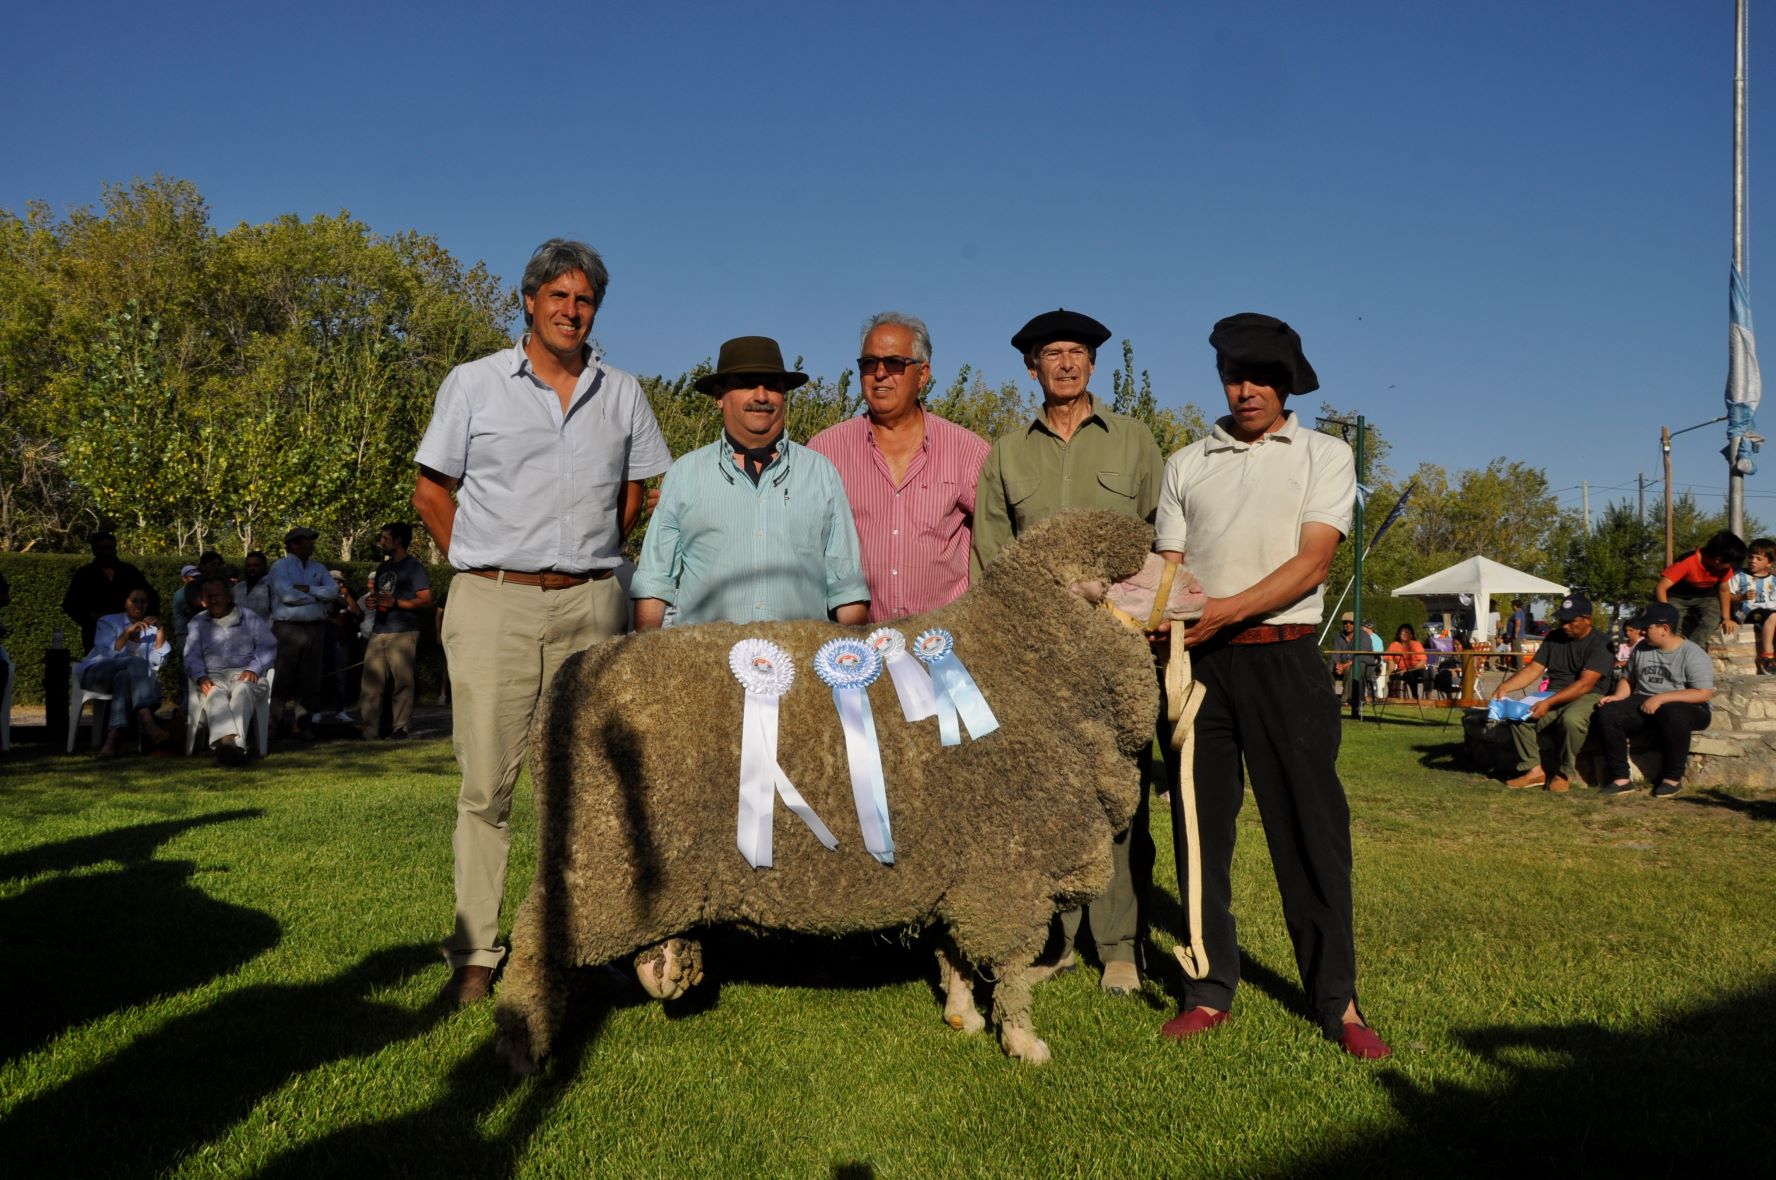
(1502, 229)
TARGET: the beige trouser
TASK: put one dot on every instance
(227, 709)
(504, 643)
(388, 661)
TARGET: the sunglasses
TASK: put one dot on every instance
(895, 365)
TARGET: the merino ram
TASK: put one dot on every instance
(636, 765)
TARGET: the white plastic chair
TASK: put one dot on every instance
(261, 713)
(77, 698)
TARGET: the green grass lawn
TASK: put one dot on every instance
(233, 973)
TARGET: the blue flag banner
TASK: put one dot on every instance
(1745, 385)
(1398, 510)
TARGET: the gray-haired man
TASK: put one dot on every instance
(544, 447)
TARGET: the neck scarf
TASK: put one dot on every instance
(756, 458)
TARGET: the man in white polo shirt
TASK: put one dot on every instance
(1260, 506)
(544, 447)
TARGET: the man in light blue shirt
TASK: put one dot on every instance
(302, 593)
(227, 654)
(753, 527)
(530, 476)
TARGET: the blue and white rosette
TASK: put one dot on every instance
(849, 667)
(912, 684)
(955, 689)
(766, 672)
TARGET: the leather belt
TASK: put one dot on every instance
(1268, 633)
(543, 579)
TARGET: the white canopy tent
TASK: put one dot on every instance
(1480, 578)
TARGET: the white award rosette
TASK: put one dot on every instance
(956, 692)
(849, 667)
(912, 684)
(765, 671)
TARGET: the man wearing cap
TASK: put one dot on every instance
(1075, 453)
(909, 475)
(302, 595)
(530, 476)
(1259, 506)
(1576, 659)
(753, 527)
(1668, 686)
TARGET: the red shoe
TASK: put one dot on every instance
(1359, 1040)
(1192, 1021)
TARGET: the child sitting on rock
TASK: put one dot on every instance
(1755, 588)
(1668, 685)
(1697, 587)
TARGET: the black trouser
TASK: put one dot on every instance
(1268, 707)
(1617, 721)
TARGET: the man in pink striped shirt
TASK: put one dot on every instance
(910, 475)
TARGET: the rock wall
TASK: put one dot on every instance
(1738, 749)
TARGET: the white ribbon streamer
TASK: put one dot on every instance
(957, 694)
(766, 672)
(850, 667)
(912, 684)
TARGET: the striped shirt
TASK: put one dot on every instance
(718, 547)
(915, 534)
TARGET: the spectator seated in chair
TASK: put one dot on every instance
(228, 651)
(128, 649)
(1407, 660)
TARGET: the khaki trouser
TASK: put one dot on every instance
(505, 643)
(388, 660)
(227, 709)
(1570, 723)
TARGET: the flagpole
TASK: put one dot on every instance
(1735, 479)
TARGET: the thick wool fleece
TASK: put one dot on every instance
(637, 762)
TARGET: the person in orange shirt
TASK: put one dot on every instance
(1699, 587)
(1406, 658)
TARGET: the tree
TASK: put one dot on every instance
(1172, 429)
(1619, 561)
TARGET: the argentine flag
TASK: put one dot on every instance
(1745, 386)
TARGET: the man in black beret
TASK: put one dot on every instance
(1260, 506)
(1075, 454)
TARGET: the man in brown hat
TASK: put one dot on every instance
(1260, 505)
(1075, 454)
(530, 476)
(753, 527)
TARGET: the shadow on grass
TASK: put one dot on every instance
(1445, 756)
(448, 1137)
(190, 1080)
(1691, 1095)
(1168, 915)
(1757, 809)
(76, 948)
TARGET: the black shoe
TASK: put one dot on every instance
(400, 735)
(1666, 790)
(231, 756)
(1617, 789)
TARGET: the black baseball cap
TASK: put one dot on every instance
(1655, 612)
(1572, 606)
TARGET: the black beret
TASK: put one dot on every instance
(1060, 324)
(1258, 342)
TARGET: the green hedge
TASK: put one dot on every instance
(38, 581)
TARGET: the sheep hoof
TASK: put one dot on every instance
(669, 969)
(513, 1046)
(1027, 1047)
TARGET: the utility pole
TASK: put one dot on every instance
(1585, 484)
(1640, 482)
(1665, 446)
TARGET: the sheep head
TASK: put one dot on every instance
(1100, 556)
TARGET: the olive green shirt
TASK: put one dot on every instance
(1111, 462)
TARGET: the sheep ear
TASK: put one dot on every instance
(1092, 590)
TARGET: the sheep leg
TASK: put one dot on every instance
(670, 969)
(1011, 1010)
(957, 982)
(533, 994)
